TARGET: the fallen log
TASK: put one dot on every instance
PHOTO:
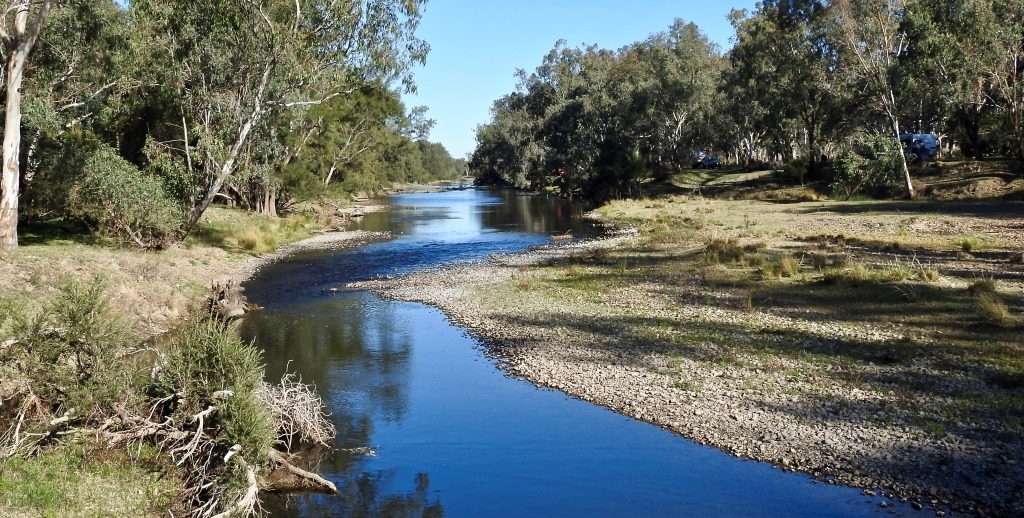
(296, 479)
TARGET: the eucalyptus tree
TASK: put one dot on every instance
(1006, 71)
(340, 130)
(682, 79)
(507, 145)
(20, 26)
(782, 80)
(71, 108)
(229, 66)
(558, 91)
(870, 39)
(950, 52)
(595, 122)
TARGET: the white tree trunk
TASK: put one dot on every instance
(17, 45)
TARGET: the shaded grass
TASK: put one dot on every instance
(237, 230)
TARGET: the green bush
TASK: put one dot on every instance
(70, 351)
(873, 165)
(124, 202)
(208, 365)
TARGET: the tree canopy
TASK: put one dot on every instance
(806, 82)
(175, 105)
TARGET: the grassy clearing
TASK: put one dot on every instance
(242, 231)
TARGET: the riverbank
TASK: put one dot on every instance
(855, 342)
(151, 293)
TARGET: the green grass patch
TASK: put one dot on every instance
(73, 480)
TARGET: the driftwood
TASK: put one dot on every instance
(291, 478)
(227, 300)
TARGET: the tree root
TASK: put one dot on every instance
(247, 505)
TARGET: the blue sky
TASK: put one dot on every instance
(477, 45)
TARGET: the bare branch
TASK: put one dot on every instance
(91, 97)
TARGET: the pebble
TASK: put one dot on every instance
(852, 442)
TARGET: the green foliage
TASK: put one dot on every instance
(873, 165)
(596, 123)
(207, 358)
(71, 349)
(123, 201)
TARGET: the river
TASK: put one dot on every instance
(429, 426)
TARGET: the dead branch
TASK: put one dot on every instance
(247, 504)
(190, 448)
(298, 412)
(320, 483)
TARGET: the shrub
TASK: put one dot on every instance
(69, 351)
(207, 363)
(872, 165)
(121, 201)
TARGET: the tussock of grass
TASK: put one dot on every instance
(985, 285)
(929, 275)
(968, 244)
(718, 250)
(854, 275)
(896, 272)
(784, 266)
(994, 310)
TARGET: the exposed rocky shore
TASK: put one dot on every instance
(768, 408)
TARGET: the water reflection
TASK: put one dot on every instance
(449, 432)
(364, 494)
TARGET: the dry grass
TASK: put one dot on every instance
(994, 310)
(868, 265)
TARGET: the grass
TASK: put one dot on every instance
(238, 230)
(892, 289)
(780, 267)
(968, 244)
(153, 292)
(983, 285)
(78, 479)
(994, 310)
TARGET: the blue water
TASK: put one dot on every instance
(451, 434)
